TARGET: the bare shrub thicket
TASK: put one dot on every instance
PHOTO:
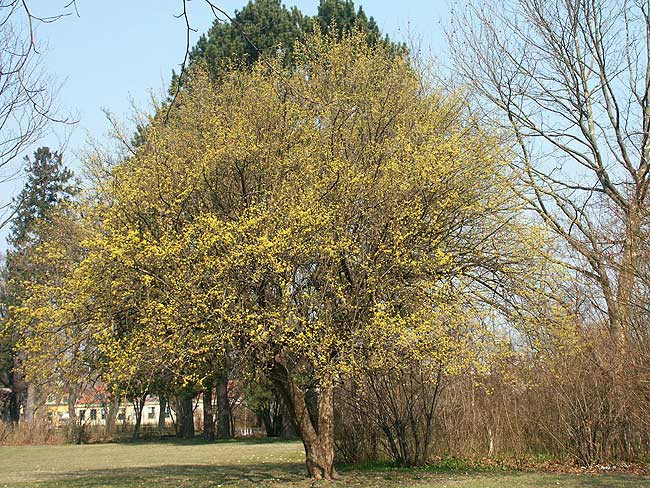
(533, 411)
(581, 404)
(26, 433)
(391, 414)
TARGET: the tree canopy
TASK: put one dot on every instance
(268, 28)
(320, 220)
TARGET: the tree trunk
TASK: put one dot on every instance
(287, 430)
(274, 416)
(269, 427)
(72, 402)
(629, 264)
(14, 410)
(162, 402)
(30, 403)
(185, 417)
(138, 423)
(490, 442)
(111, 417)
(318, 442)
(224, 427)
(138, 408)
(208, 416)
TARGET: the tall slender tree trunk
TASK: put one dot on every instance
(138, 423)
(287, 429)
(111, 417)
(30, 403)
(185, 417)
(14, 410)
(72, 402)
(162, 402)
(318, 441)
(208, 416)
(224, 426)
(267, 420)
(275, 418)
(5, 393)
(138, 408)
(626, 274)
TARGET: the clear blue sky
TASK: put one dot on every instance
(118, 51)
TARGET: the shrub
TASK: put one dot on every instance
(26, 433)
(76, 431)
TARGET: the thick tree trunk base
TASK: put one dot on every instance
(185, 418)
(318, 441)
(320, 469)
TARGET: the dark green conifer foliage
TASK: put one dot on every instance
(48, 183)
(268, 27)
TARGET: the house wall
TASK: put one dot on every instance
(96, 413)
(246, 423)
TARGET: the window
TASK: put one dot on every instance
(82, 415)
(93, 414)
(121, 415)
(168, 412)
(152, 413)
(103, 414)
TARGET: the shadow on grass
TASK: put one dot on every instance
(443, 466)
(467, 475)
(198, 441)
(292, 474)
(586, 480)
(167, 476)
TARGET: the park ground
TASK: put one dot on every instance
(170, 463)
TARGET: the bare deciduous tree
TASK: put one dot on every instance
(569, 80)
(26, 91)
(26, 98)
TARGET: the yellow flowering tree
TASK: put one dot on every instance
(51, 322)
(315, 222)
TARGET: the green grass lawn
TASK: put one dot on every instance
(167, 464)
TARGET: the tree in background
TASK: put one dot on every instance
(26, 96)
(9, 408)
(261, 27)
(49, 184)
(268, 28)
(568, 80)
(342, 16)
